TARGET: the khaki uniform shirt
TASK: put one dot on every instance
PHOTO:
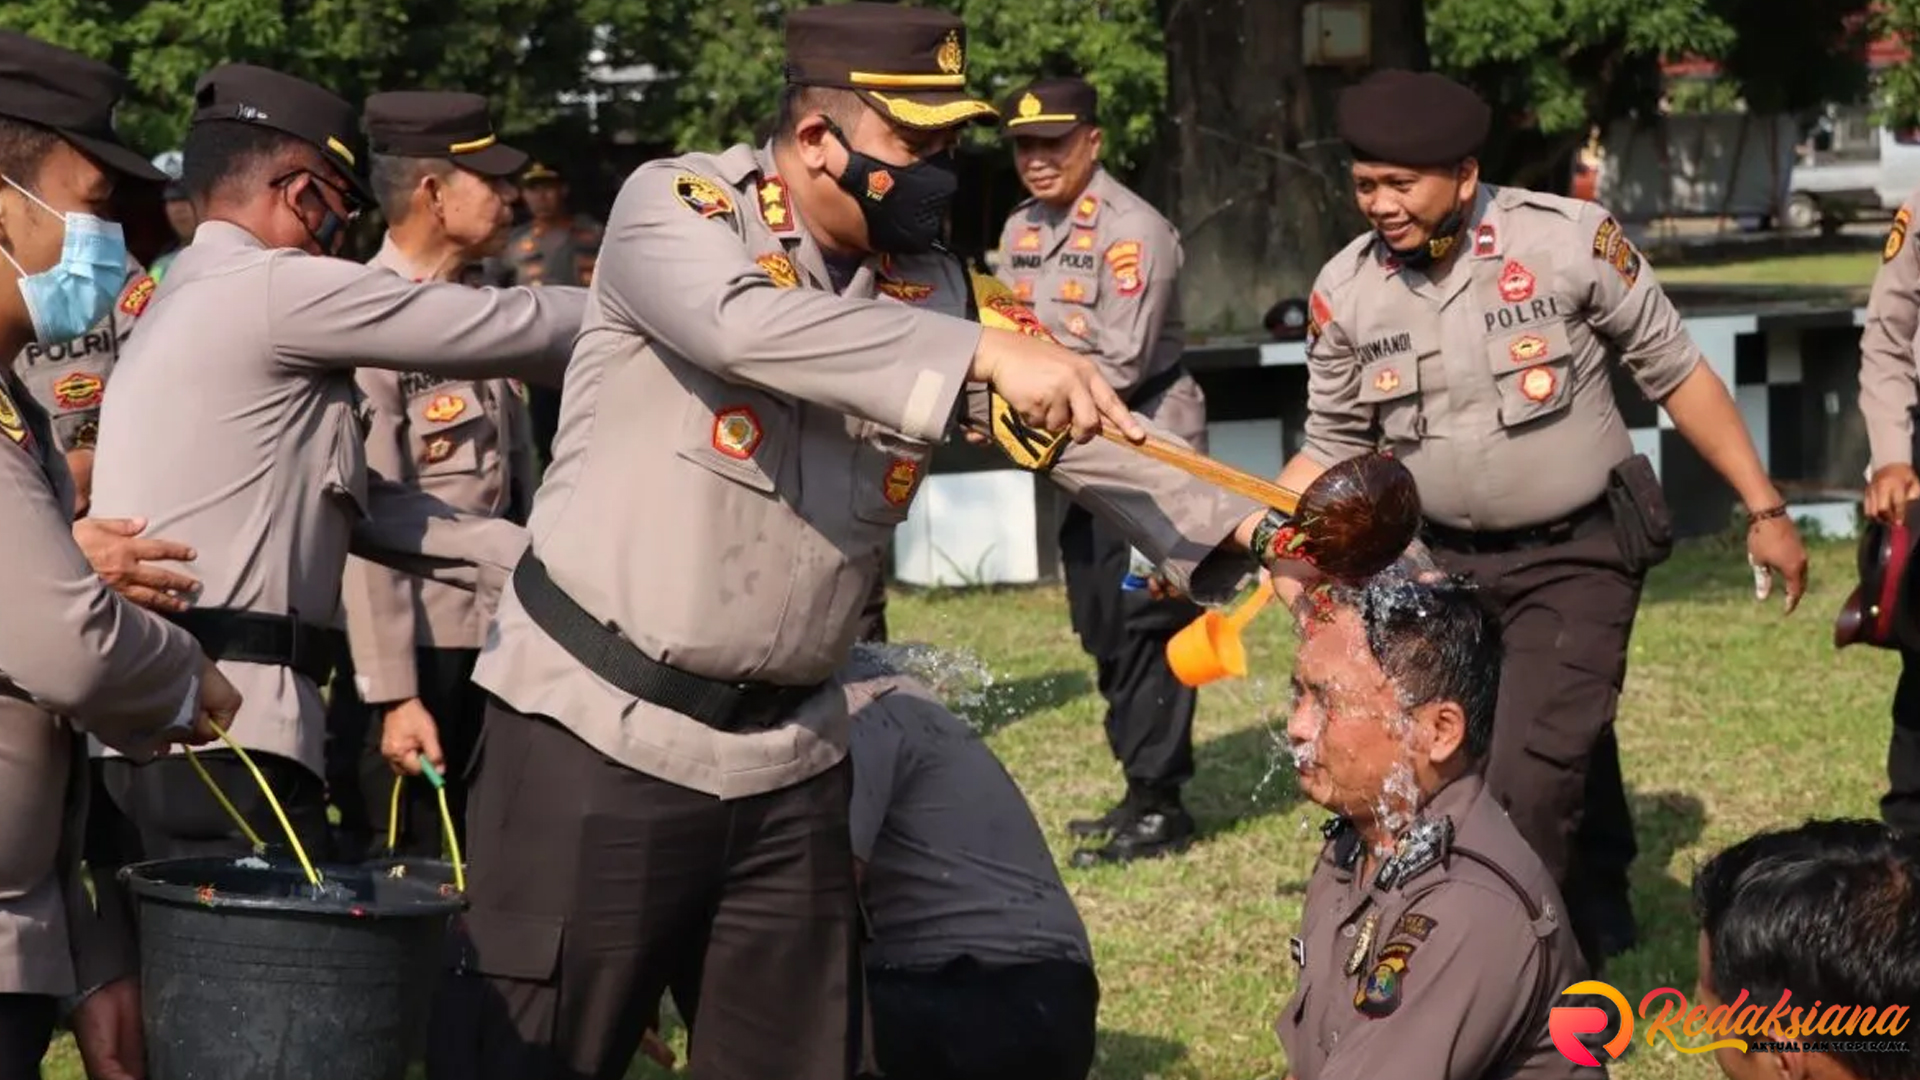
(467, 443)
(1490, 379)
(1432, 970)
(538, 255)
(956, 864)
(1887, 377)
(737, 444)
(233, 429)
(69, 378)
(69, 647)
(1104, 276)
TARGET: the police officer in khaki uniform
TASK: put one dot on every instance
(558, 246)
(1889, 394)
(443, 180)
(234, 428)
(1472, 333)
(776, 339)
(73, 656)
(1101, 268)
(1431, 944)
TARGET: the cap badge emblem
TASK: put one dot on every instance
(1029, 106)
(950, 58)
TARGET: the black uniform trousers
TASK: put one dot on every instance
(444, 679)
(26, 1030)
(966, 1021)
(1149, 718)
(1900, 806)
(595, 887)
(1566, 609)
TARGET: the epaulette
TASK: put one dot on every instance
(1421, 847)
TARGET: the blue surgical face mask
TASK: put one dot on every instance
(68, 298)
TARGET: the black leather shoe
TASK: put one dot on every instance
(1153, 834)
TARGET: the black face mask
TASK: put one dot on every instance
(331, 235)
(1438, 246)
(905, 205)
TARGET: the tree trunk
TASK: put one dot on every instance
(1255, 175)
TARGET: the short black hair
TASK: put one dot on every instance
(225, 153)
(799, 102)
(1436, 642)
(1830, 911)
(24, 147)
(393, 178)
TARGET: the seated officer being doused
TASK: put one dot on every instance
(1432, 942)
(977, 964)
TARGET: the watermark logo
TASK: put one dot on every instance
(1566, 1023)
(1735, 1025)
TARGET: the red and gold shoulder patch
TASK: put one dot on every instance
(1319, 314)
(736, 432)
(134, 300)
(702, 196)
(79, 390)
(780, 269)
(1897, 236)
(903, 475)
(1126, 260)
(1611, 246)
(775, 210)
(444, 408)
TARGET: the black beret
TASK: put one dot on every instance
(1412, 118)
(909, 63)
(71, 94)
(440, 124)
(1050, 108)
(316, 116)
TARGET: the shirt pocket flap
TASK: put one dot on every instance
(1389, 380)
(1526, 348)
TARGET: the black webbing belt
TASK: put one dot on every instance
(251, 638)
(723, 706)
(1153, 386)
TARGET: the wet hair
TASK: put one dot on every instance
(225, 154)
(24, 147)
(843, 107)
(1436, 642)
(394, 178)
(1829, 910)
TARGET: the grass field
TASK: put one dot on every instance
(1733, 719)
(1825, 268)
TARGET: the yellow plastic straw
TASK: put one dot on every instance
(393, 817)
(252, 837)
(313, 876)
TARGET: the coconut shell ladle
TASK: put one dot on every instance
(1353, 521)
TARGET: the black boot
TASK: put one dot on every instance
(1118, 817)
(1162, 827)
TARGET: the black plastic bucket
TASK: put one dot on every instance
(245, 973)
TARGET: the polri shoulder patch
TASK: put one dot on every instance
(1611, 246)
(1897, 236)
(703, 196)
(1126, 260)
(1379, 994)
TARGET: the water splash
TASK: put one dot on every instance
(958, 677)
